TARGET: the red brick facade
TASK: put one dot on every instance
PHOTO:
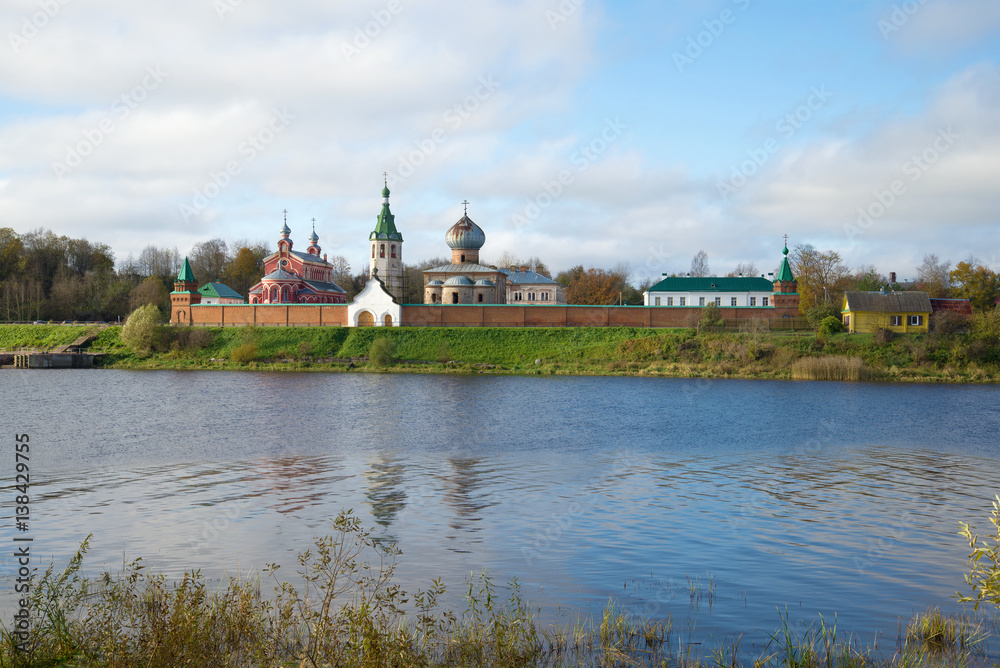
(436, 315)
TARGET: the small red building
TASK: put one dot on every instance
(294, 277)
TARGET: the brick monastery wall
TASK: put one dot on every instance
(451, 315)
(289, 315)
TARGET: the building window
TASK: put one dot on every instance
(381, 250)
(657, 302)
(895, 320)
(393, 250)
(274, 294)
(701, 301)
(454, 298)
(284, 294)
(847, 322)
(463, 258)
(670, 301)
(763, 301)
(480, 299)
(753, 301)
(718, 301)
(373, 250)
(916, 320)
(733, 302)
(683, 301)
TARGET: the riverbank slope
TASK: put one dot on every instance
(542, 351)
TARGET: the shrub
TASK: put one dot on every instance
(883, 335)
(985, 325)
(305, 348)
(984, 563)
(820, 312)
(947, 323)
(140, 330)
(244, 353)
(711, 318)
(382, 352)
(831, 325)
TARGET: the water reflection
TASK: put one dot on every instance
(621, 481)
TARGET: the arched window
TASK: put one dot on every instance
(393, 250)
(381, 250)
(373, 250)
(274, 294)
(284, 294)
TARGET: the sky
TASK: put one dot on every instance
(579, 131)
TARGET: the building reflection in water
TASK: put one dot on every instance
(385, 491)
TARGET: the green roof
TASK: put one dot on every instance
(713, 284)
(186, 275)
(785, 273)
(385, 224)
(219, 290)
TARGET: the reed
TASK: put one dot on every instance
(831, 367)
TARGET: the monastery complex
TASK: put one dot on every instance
(297, 290)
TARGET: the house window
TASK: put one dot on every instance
(657, 302)
(683, 301)
(701, 301)
(763, 301)
(916, 320)
(895, 321)
(381, 250)
(393, 249)
(753, 301)
(847, 322)
(733, 303)
(670, 301)
(718, 301)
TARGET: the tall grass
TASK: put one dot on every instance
(349, 611)
(831, 367)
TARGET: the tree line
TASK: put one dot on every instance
(44, 276)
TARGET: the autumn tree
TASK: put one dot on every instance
(243, 271)
(934, 276)
(815, 270)
(699, 264)
(150, 291)
(867, 279)
(208, 259)
(595, 286)
(975, 282)
(748, 269)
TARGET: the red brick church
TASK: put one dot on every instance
(294, 277)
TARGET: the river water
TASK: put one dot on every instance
(718, 504)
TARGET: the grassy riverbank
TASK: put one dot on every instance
(546, 351)
(350, 612)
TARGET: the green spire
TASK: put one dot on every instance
(785, 273)
(385, 225)
(186, 275)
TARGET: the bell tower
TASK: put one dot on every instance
(387, 249)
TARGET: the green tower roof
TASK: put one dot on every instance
(186, 275)
(385, 224)
(785, 273)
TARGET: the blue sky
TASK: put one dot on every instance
(582, 132)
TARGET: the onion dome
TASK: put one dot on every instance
(314, 237)
(458, 281)
(485, 283)
(465, 235)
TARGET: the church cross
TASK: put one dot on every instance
(786, 239)
(385, 177)
(466, 203)
(286, 216)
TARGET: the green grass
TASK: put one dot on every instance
(562, 350)
(39, 336)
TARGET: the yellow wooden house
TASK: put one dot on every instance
(897, 311)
